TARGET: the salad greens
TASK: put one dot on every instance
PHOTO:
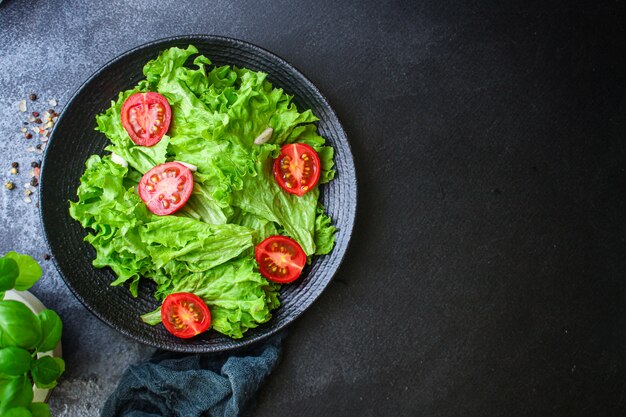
(23, 336)
(207, 247)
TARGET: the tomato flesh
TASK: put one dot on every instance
(146, 117)
(297, 168)
(185, 315)
(280, 259)
(166, 188)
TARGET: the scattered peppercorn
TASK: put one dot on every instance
(46, 257)
(32, 96)
(34, 181)
(34, 164)
(38, 146)
(28, 135)
(38, 121)
(25, 123)
(14, 171)
(35, 114)
(9, 185)
(15, 165)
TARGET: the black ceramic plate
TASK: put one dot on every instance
(74, 140)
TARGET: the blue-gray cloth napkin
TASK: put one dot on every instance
(179, 385)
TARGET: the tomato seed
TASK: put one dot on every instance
(166, 204)
(154, 178)
(171, 173)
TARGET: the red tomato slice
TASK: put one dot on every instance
(185, 315)
(280, 259)
(297, 168)
(166, 188)
(146, 117)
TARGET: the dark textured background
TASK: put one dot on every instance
(487, 272)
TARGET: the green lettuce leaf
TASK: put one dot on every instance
(238, 297)
(324, 232)
(263, 197)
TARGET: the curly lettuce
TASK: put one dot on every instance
(207, 247)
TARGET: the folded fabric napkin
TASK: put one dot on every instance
(178, 385)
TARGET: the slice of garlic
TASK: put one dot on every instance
(118, 160)
(191, 167)
(264, 137)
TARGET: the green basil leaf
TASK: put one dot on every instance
(51, 327)
(40, 410)
(30, 271)
(18, 412)
(14, 361)
(9, 272)
(47, 370)
(18, 325)
(16, 392)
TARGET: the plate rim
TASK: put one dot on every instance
(235, 343)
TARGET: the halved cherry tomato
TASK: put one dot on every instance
(280, 259)
(166, 188)
(185, 315)
(297, 168)
(146, 117)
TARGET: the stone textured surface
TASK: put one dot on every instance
(486, 274)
